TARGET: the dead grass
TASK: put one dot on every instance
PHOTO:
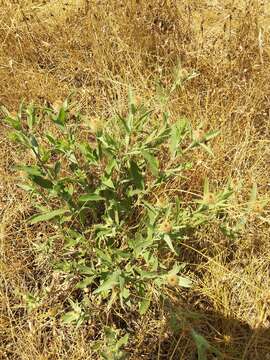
(50, 48)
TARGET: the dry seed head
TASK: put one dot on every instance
(53, 312)
(13, 114)
(227, 339)
(172, 280)
(183, 73)
(95, 124)
(210, 199)
(166, 227)
(161, 202)
(266, 297)
(198, 135)
(21, 174)
(57, 105)
(257, 208)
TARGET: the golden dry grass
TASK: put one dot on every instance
(98, 48)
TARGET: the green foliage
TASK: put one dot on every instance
(110, 348)
(203, 346)
(101, 190)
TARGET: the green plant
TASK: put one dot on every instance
(111, 349)
(107, 190)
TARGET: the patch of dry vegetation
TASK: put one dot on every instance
(97, 49)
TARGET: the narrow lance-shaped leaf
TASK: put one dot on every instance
(184, 282)
(107, 182)
(41, 181)
(33, 141)
(203, 346)
(47, 216)
(71, 317)
(136, 175)
(168, 241)
(144, 305)
(132, 106)
(124, 122)
(61, 116)
(206, 186)
(31, 116)
(122, 341)
(30, 170)
(211, 135)
(253, 194)
(176, 135)
(14, 122)
(207, 148)
(152, 161)
(90, 197)
(111, 281)
(174, 140)
(57, 168)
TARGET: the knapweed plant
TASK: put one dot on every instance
(107, 188)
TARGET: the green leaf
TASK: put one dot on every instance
(14, 122)
(207, 149)
(132, 192)
(111, 281)
(83, 269)
(26, 187)
(147, 274)
(85, 282)
(174, 140)
(51, 139)
(30, 170)
(203, 346)
(70, 317)
(184, 282)
(125, 293)
(168, 241)
(108, 182)
(176, 268)
(90, 197)
(122, 341)
(47, 216)
(33, 141)
(61, 116)
(211, 134)
(57, 168)
(150, 207)
(206, 186)
(125, 124)
(253, 196)
(139, 122)
(177, 131)
(152, 212)
(41, 181)
(152, 161)
(21, 109)
(131, 102)
(144, 305)
(136, 175)
(110, 166)
(31, 116)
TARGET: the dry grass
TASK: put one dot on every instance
(50, 48)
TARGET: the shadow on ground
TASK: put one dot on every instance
(207, 336)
